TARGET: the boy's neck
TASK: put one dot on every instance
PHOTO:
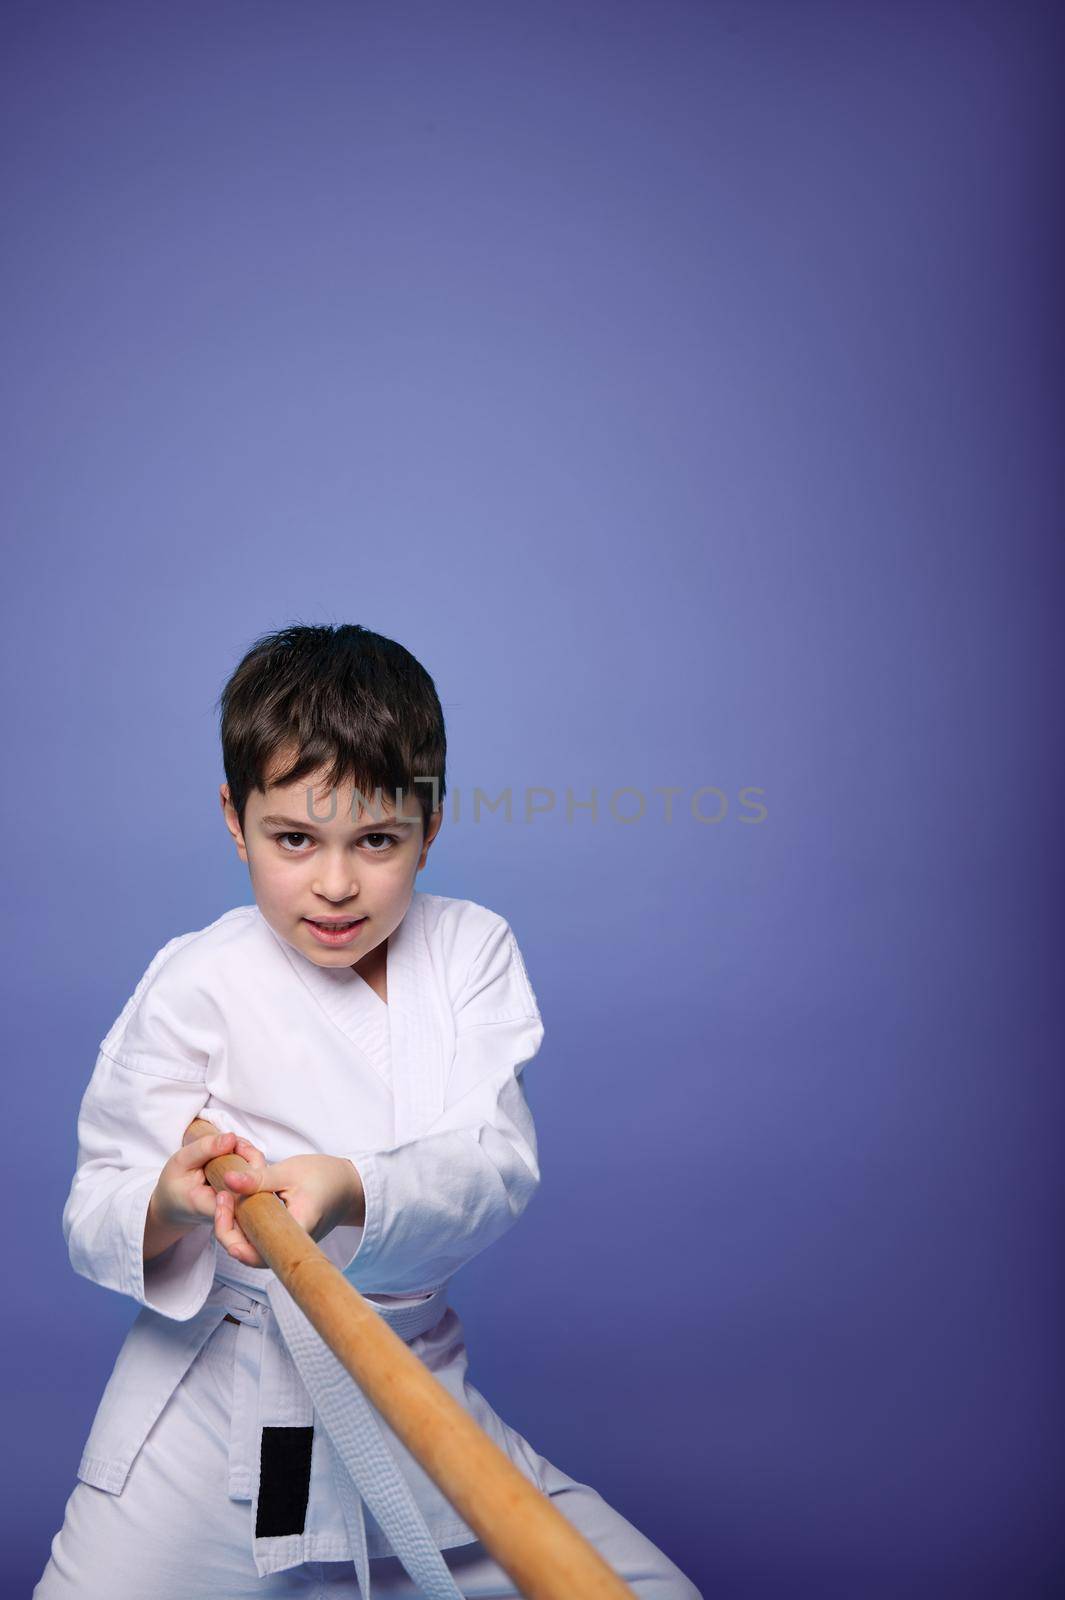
(373, 969)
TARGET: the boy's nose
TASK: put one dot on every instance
(337, 886)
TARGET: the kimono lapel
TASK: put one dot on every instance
(402, 1040)
(417, 1038)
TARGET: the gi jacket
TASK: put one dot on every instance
(423, 1094)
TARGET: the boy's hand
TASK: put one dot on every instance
(182, 1195)
(321, 1192)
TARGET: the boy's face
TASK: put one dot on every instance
(309, 865)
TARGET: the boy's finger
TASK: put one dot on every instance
(202, 1200)
(252, 1155)
(200, 1151)
(262, 1178)
(231, 1235)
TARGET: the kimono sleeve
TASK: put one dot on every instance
(436, 1202)
(147, 1085)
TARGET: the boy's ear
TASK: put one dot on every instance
(435, 821)
(230, 818)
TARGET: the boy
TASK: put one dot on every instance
(361, 1045)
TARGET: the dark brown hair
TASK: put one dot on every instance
(341, 698)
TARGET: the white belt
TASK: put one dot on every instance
(321, 1386)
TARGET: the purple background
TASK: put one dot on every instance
(678, 382)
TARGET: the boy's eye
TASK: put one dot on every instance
(385, 839)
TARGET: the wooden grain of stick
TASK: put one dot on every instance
(517, 1524)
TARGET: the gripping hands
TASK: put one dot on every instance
(321, 1192)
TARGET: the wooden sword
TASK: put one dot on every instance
(517, 1524)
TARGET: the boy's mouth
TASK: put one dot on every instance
(334, 930)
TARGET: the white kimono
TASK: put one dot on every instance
(424, 1095)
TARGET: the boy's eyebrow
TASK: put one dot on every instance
(294, 822)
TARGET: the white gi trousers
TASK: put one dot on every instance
(174, 1533)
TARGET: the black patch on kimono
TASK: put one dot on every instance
(284, 1481)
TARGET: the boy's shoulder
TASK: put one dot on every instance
(188, 966)
(447, 915)
(479, 952)
(460, 929)
(187, 955)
